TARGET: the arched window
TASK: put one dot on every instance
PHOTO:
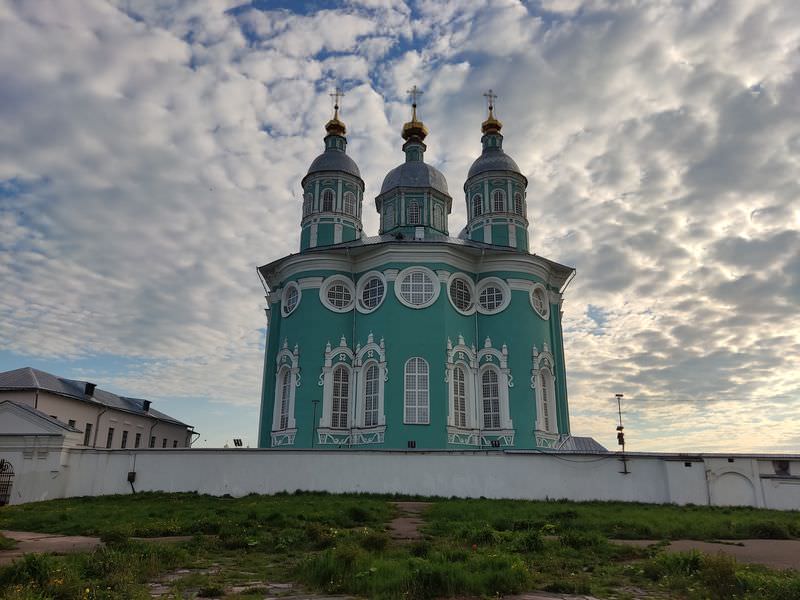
(371, 396)
(341, 396)
(490, 392)
(547, 420)
(285, 382)
(460, 397)
(388, 216)
(499, 198)
(477, 205)
(327, 200)
(416, 391)
(414, 215)
(438, 221)
(518, 206)
(308, 201)
(349, 203)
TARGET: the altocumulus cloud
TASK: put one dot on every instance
(151, 154)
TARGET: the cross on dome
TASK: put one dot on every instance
(414, 128)
(337, 95)
(335, 126)
(491, 124)
(490, 97)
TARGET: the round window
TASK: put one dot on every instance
(417, 287)
(539, 301)
(337, 293)
(290, 298)
(371, 291)
(493, 295)
(491, 298)
(461, 294)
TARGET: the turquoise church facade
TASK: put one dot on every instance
(414, 338)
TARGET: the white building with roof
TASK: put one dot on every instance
(104, 419)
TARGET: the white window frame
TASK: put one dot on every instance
(292, 285)
(438, 216)
(325, 193)
(373, 395)
(416, 391)
(519, 204)
(402, 275)
(371, 354)
(545, 314)
(352, 198)
(495, 282)
(477, 201)
(308, 203)
(473, 297)
(502, 196)
(414, 208)
(388, 216)
(286, 361)
(542, 374)
(362, 284)
(486, 371)
(344, 402)
(330, 282)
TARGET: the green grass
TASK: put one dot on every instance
(338, 544)
(6, 543)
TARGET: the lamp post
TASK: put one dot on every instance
(621, 435)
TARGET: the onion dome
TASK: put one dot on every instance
(335, 157)
(493, 158)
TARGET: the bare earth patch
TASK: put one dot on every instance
(405, 526)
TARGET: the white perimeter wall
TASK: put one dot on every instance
(747, 480)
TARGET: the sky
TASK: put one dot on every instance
(151, 154)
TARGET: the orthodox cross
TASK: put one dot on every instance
(490, 97)
(337, 95)
(414, 93)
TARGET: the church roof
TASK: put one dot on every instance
(415, 174)
(28, 378)
(493, 159)
(334, 160)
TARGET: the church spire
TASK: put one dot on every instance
(414, 132)
(491, 124)
(335, 126)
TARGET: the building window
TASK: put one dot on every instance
(388, 216)
(152, 443)
(349, 203)
(137, 440)
(87, 435)
(416, 391)
(499, 199)
(124, 443)
(290, 298)
(341, 398)
(539, 301)
(462, 293)
(308, 203)
(110, 438)
(519, 208)
(71, 423)
(337, 293)
(547, 398)
(371, 396)
(174, 443)
(477, 205)
(371, 291)
(491, 399)
(286, 385)
(438, 220)
(493, 295)
(460, 397)
(418, 287)
(164, 443)
(414, 214)
(327, 200)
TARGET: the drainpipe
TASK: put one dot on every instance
(150, 434)
(97, 427)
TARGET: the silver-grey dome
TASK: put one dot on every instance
(415, 174)
(334, 160)
(493, 160)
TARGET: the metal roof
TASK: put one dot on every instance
(415, 174)
(334, 160)
(28, 378)
(493, 159)
(42, 415)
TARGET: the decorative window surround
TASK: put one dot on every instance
(355, 432)
(290, 298)
(470, 291)
(474, 364)
(542, 373)
(540, 300)
(328, 284)
(368, 279)
(286, 360)
(502, 286)
(407, 273)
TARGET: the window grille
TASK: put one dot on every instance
(539, 301)
(341, 395)
(286, 386)
(499, 200)
(477, 205)
(371, 396)
(308, 199)
(491, 400)
(460, 397)
(338, 295)
(461, 294)
(543, 380)
(414, 214)
(518, 206)
(327, 200)
(349, 203)
(372, 294)
(292, 297)
(416, 391)
(491, 298)
(416, 288)
(437, 217)
(388, 216)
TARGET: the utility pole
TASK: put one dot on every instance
(621, 435)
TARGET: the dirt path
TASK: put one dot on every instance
(405, 526)
(777, 554)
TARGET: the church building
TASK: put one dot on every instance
(415, 338)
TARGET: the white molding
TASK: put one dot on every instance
(497, 282)
(292, 285)
(544, 363)
(545, 313)
(437, 286)
(519, 285)
(310, 283)
(283, 438)
(362, 282)
(391, 274)
(332, 280)
(286, 360)
(473, 295)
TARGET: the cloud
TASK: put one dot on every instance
(151, 154)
